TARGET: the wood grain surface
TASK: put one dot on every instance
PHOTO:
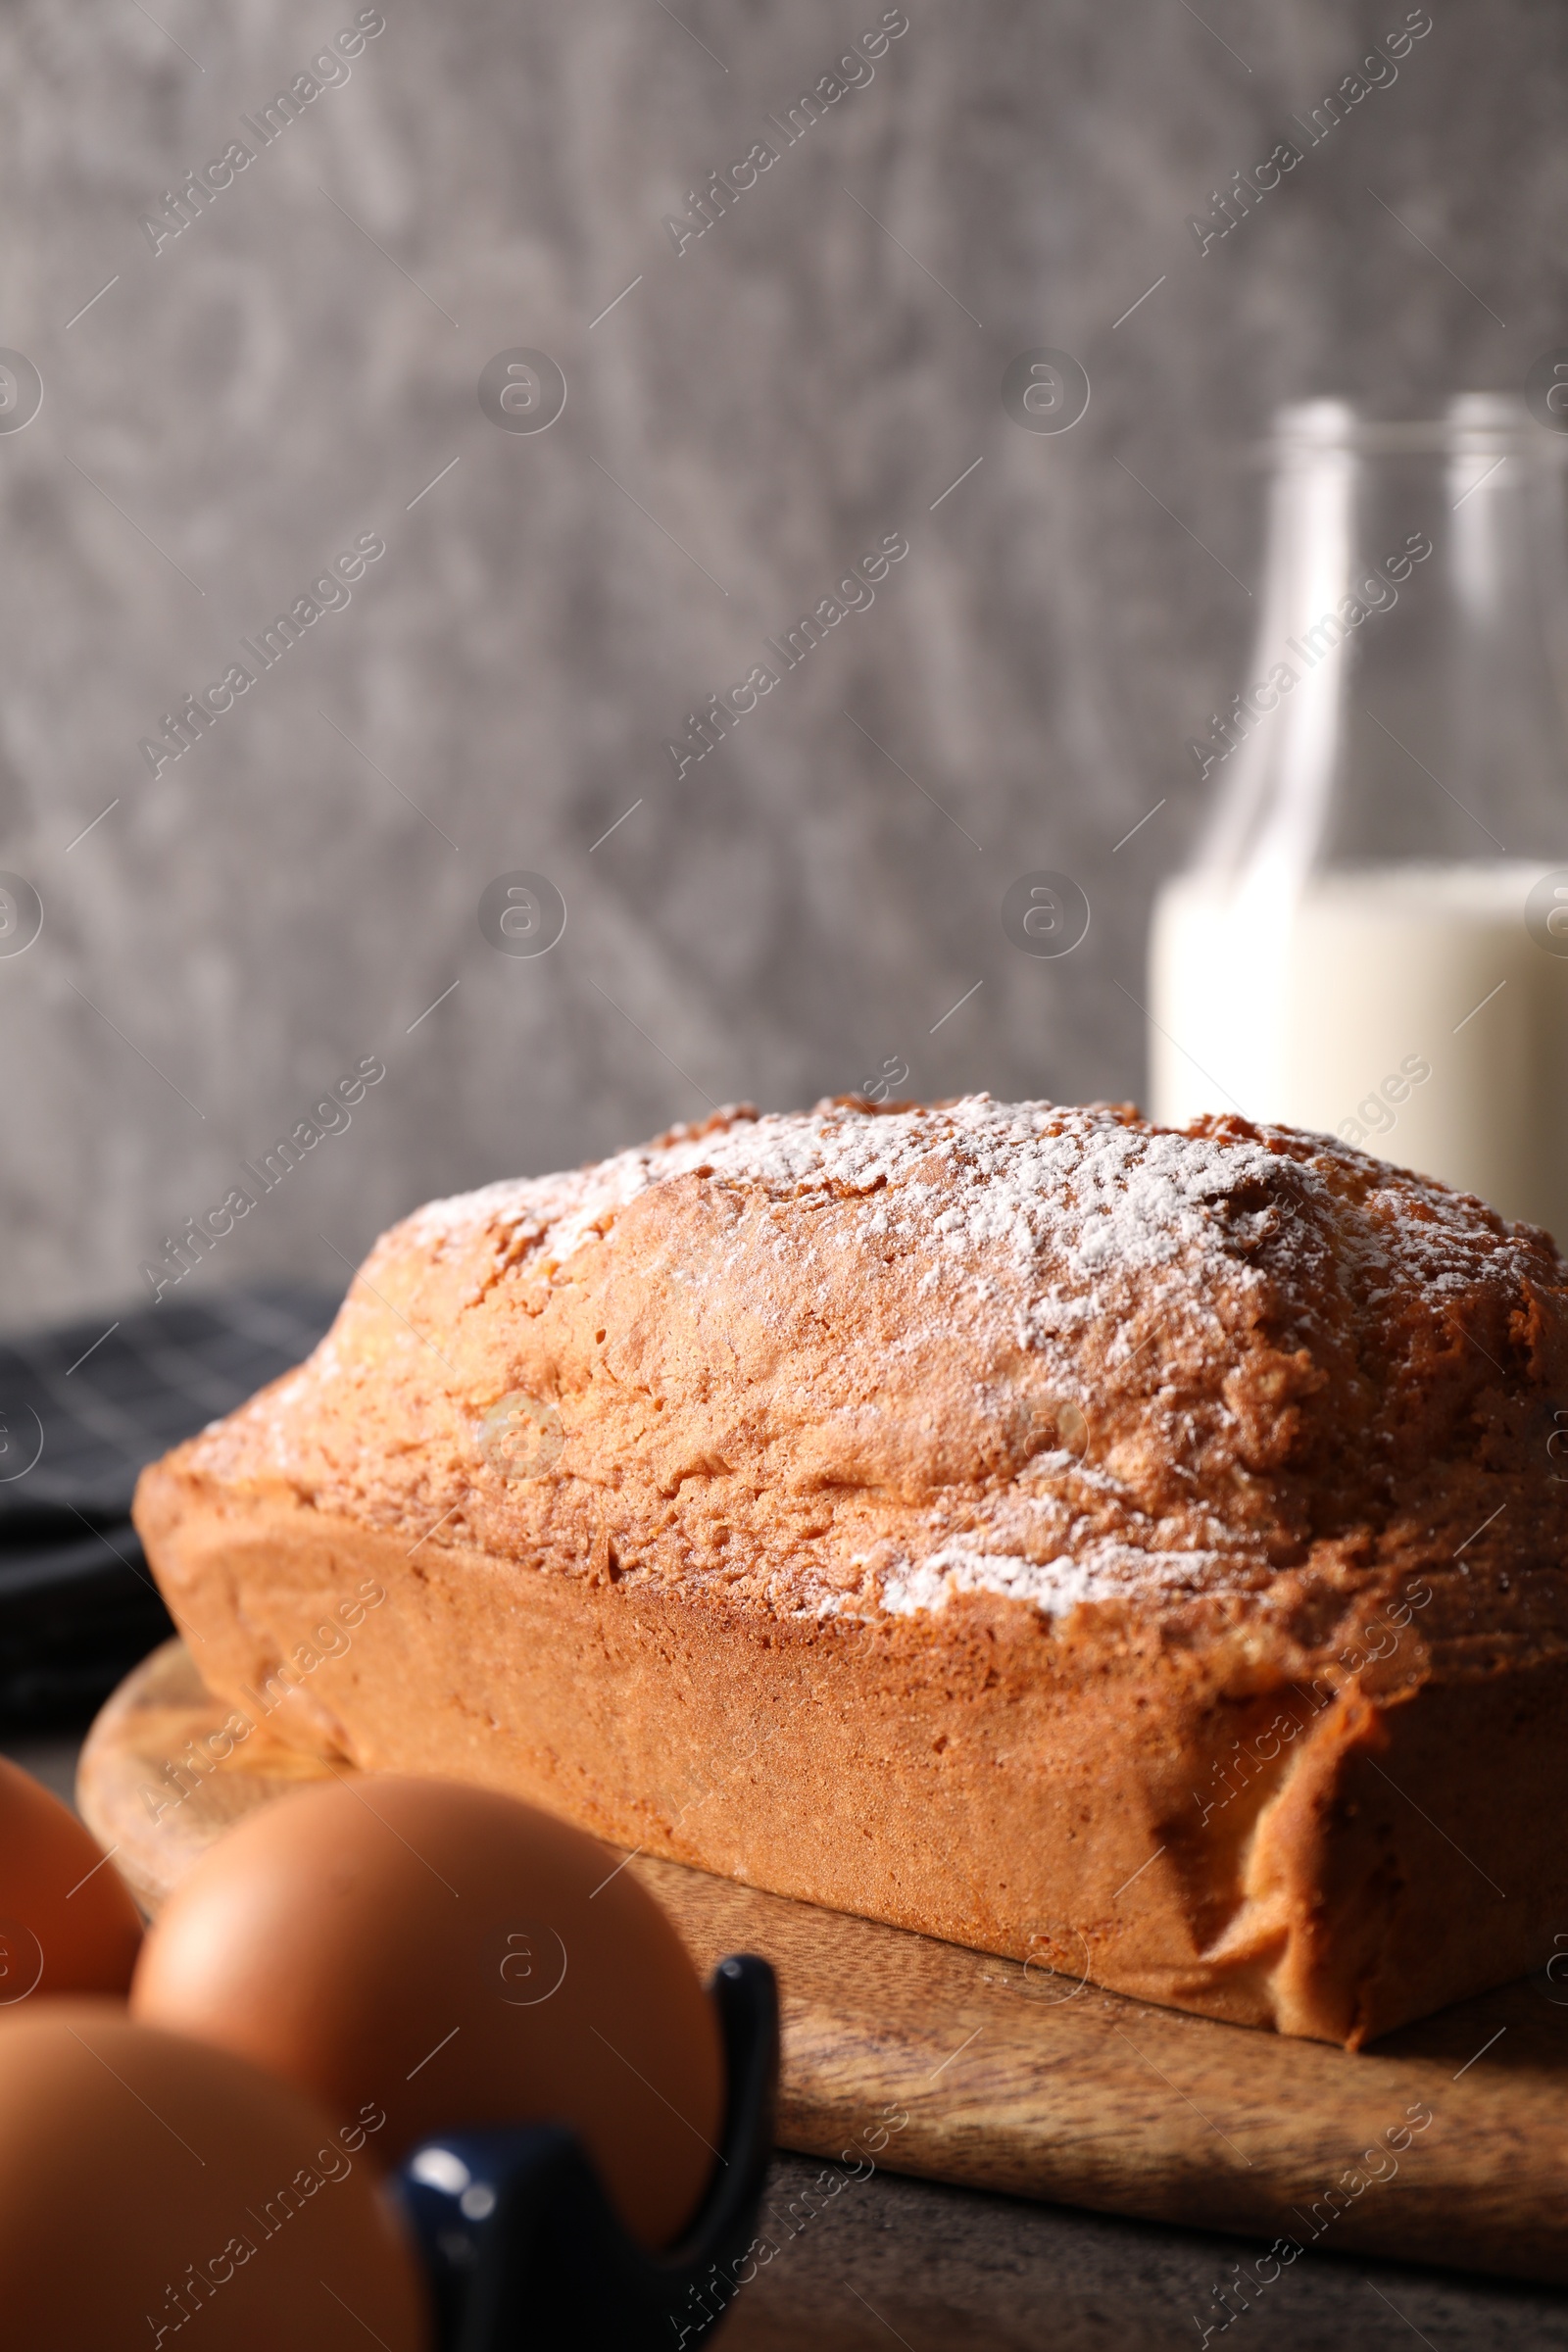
(1007, 2076)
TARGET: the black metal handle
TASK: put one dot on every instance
(524, 2252)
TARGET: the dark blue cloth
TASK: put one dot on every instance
(81, 1409)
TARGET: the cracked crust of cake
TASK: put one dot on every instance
(1082, 1492)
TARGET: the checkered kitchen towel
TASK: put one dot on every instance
(81, 1409)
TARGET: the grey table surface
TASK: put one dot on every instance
(860, 2264)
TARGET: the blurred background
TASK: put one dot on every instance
(231, 400)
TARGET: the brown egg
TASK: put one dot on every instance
(147, 2181)
(66, 1923)
(449, 1957)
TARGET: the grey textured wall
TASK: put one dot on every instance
(291, 369)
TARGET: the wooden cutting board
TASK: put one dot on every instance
(1009, 2078)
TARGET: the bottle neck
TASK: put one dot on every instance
(1405, 694)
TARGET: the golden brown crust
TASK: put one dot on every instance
(1139, 1501)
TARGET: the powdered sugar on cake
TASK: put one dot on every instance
(1189, 1296)
(1101, 1570)
(1081, 1183)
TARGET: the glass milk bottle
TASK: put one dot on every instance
(1373, 937)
